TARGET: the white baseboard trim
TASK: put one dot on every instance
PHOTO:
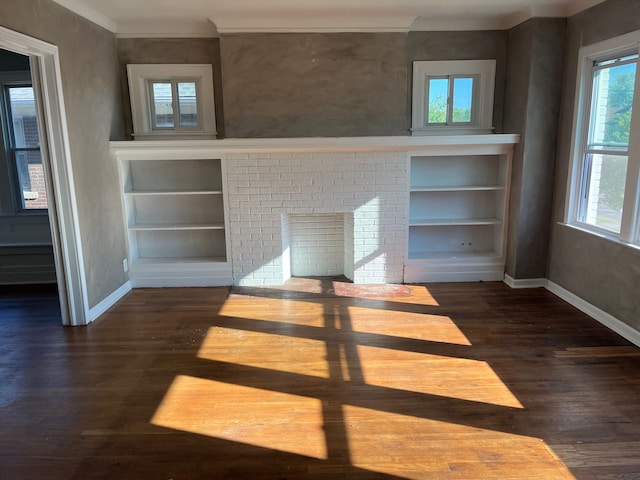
(596, 313)
(606, 319)
(109, 301)
(525, 282)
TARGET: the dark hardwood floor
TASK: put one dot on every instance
(317, 379)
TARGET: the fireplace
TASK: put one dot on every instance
(320, 213)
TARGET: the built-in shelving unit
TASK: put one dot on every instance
(175, 214)
(453, 218)
(457, 215)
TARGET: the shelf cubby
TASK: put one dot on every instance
(176, 221)
(457, 216)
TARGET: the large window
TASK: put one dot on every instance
(603, 195)
(452, 97)
(22, 144)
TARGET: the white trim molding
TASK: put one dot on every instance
(618, 326)
(525, 282)
(84, 10)
(109, 301)
(467, 144)
(596, 313)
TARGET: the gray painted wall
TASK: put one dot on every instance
(94, 115)
(475, 45)
(531, 110)
(170, 50)
(313, 84)
(604, 273)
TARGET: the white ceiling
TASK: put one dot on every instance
(204, 17)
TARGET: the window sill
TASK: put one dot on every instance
(452, 131)
(39, 212)
(175, 136)
(4, 245)
(611, 238)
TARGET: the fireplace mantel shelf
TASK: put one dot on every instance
(314, 144)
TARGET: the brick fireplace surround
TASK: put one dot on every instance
(368, 188)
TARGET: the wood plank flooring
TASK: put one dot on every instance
(317, 379)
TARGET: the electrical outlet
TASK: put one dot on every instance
(125, 265)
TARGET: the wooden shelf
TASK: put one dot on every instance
(173, 192)
(152, 261)
(173, 227)
(470, 188)
(436, 222)
(453, 255)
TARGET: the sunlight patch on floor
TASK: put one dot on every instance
(417, 326)
(263, 418)
(256, 349)
(459, 378)
(294, 312)
(378, 440)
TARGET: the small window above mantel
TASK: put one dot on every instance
(172, 101)
(453, 97)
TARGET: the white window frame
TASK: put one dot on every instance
(630, 225)
(140, 77)
(11, 171)
(483, 72)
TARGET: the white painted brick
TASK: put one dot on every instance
(279, 169)
(319, 183)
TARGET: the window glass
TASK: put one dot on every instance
(438, 95)
(187, 105)
(462, 97)
(612, 100)
(162, 105)
(604, 190)
(25, 148)
(23, 113)
(450, 100)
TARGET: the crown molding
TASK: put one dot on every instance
(167, 29)
(80, 8)
(424, 24)
(317, 24)
(226, 24)
(577, 6)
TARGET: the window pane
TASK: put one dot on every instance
(462, 95)
(604, 194)
(23, 117)
(31, 179)
(162, 105)
(187, 105)
(438, 96)
(612, 99)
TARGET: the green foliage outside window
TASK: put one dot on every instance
(438, 112)
(617, 130)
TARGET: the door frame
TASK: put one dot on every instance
(56, 160)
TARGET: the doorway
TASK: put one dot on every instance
(26, 255)
(53, 148)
